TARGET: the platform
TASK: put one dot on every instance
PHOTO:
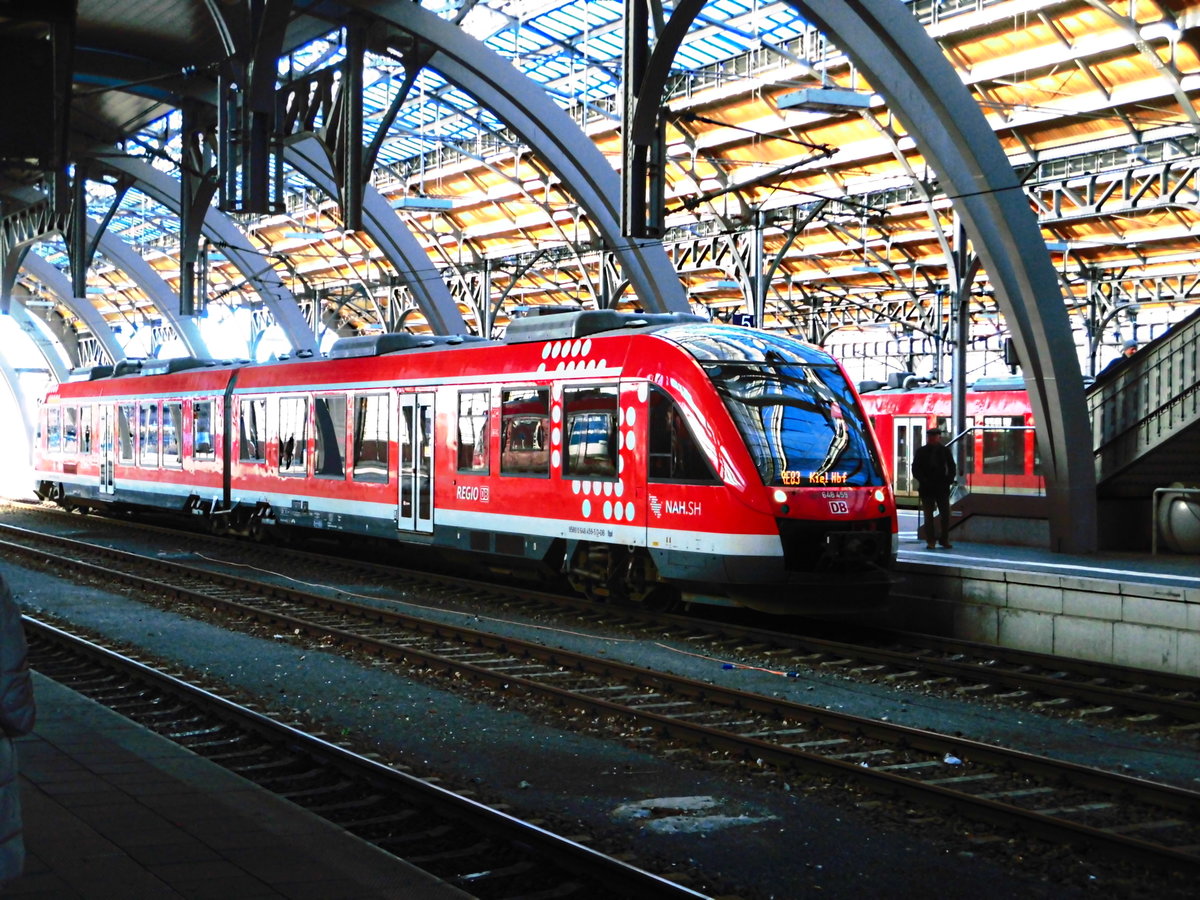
(1127, 609)
(113, 810)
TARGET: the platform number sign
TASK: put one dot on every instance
(744, 320)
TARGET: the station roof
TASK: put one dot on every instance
(1094, 103)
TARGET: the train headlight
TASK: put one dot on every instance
(878, 495)
(780, 497)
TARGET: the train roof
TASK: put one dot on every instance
(908, 383)
(563, 326)
(706, 342)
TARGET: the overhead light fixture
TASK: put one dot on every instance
(829, 100)
(721, 284)
(407, 202)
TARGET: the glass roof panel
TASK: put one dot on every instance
(574, 48)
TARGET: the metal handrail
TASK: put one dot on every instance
(964, 478)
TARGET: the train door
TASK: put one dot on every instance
(107, 449)
(415, 439)
(633, 417)
(908, 436)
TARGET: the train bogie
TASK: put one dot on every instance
(644, 457)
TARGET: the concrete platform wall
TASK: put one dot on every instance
(1140, 625)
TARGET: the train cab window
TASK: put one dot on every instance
(70, 429)
(53, 430)
(202, 438)
(125, 432)
(525, 432)
(172, 428)
(674, 453)
(798, 416)
(592, 436)
(329, 437)
(473, 409)
(252, 433)
(1003, 445)
(148, 434)
(293, 435)
(371, 438)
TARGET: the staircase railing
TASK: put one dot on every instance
(1148, 399)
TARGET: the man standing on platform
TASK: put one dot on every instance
(933, 467)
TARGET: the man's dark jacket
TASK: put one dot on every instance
(933, 467)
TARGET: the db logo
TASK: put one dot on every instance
(839, 507)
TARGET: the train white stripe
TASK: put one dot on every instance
(534, 526)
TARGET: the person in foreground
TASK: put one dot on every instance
(17, 714)
(934, 468)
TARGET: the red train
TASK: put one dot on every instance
(1000, 452)
(646, 457)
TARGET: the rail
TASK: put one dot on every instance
(1147, 821)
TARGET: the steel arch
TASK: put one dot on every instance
(310, 156)
(220, 228)
(551, 133)
(905, 66)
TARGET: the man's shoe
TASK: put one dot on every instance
(930, 546)
(947, 545)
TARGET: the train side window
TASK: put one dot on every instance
(70, 427)
(525, 432)
(172, 430)
(125, 432)
(591, 431)
(172, 427)
(252, 433)
(329, 445)
(53, 430)
(202, 438)
(371, 438)
(85, 430)
(674, 453)
(1003, 446)
(148, 434)
(473, 410)
(293, 435)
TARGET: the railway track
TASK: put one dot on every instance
(1055, 800)
(1147, 700)
(481, 851)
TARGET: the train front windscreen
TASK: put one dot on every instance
(794, 409)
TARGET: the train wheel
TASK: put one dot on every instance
(643, 587)
(258, 530)
(591, 572)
